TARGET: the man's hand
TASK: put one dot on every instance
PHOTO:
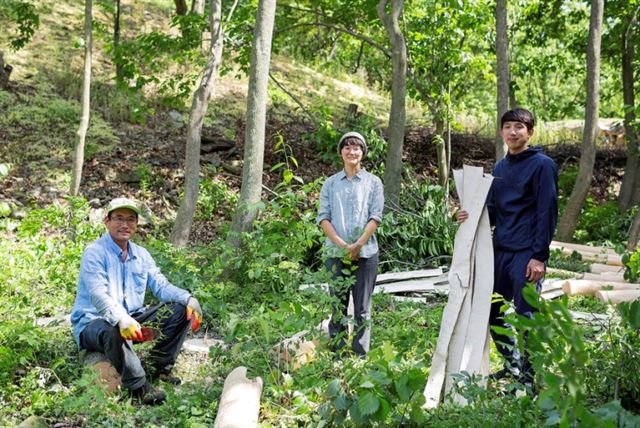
(130, 329)
(462, 216)
(535, 270)
(194, 311)
(353, 251)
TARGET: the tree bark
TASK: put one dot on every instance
(397, 115)
(502, 71)
(78, 154)
(181, 7)
(634, 233)
(631, 179)
(116, 42)
(441, 153)
(251, 188)
(199, 105)
(5, 72)
(569, 219)
(197, 7)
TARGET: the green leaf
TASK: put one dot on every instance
(333, 388)
(367, 385)
(368, 403)
(388, 351)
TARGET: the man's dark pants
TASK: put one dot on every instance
(364, 270)
(169, 318)
(509, 281)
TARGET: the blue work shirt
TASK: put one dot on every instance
(349, 205)
(109, 288)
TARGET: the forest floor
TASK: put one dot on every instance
(151, 156)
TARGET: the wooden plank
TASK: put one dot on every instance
(419, 285)
(402, 276)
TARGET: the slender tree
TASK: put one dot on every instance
(568, 221)
(251, 188)
(199, 105)
(502, 70)
(397, 115)
(78, 154)
(629, 194)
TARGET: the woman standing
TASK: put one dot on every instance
(351, 204)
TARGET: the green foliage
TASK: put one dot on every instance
(570, 370)
(600, 223)
(44, 110)
(420, 232)
(572, 263)
(631, 263)
(388, 392)
(24, 15)
(215, 199)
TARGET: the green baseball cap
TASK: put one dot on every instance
(123, 203)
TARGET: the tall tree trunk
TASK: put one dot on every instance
(181, 7)
(199, 105)
(397, 115)
(197, 7)
(569, 219)
(5, 72)
(116, 42)
(631, 179)
(78, 154)
(634, 233)
(251, 189)
(502, 71)
(441, 152)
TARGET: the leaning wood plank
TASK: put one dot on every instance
(552, 294)
(457, 314)
(401, 276)
(240, 401)
(582, 287)
(618, 296)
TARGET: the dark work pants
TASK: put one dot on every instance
(365, 271)
(169, 318)
(510, 270)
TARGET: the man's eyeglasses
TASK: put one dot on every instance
(123, 220)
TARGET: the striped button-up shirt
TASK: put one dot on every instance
(349, 204)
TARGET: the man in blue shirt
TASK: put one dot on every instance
(108, 311)
(351, 204)
(523, 207)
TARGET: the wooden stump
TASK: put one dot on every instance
(108, 376)
(577, 287)
(240, 401)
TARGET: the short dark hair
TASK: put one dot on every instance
(353, 141)
(519, 115)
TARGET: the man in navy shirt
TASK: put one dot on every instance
(108, 311)
(523, 207)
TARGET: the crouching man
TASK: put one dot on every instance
(108, 312)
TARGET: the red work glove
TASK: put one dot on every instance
(194, 312)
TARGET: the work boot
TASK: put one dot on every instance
(148, 395)
(167, 377)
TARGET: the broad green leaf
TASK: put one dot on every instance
(368, 403)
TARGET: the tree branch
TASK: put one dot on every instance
(294, 98)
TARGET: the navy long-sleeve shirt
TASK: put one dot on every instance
(523, 203)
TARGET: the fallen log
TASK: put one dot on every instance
(582, 248)
(604, 257)
(582, 287)
(600, 268)
(618, 296)
(240, 401)
(108, 376)
(299, 349)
